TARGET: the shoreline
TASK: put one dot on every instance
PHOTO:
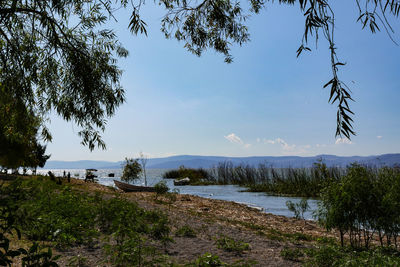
(267, 235)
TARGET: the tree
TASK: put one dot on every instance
(143, 162)
(131, 170)
(56, 56)
(36, 157)
(19, 144)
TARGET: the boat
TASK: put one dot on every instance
(133, 188)
(183, 181)
(111, 174)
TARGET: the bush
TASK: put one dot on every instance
(333, 255)
(161, 188)
(186, 231)
(209, 260)
(292, 254)
(364, 201)
(232, 245)
(298, 208)
(45, 211)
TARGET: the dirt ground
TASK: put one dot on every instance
(211, 219)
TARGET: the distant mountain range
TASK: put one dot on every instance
(210, 161)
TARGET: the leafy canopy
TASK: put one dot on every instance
(57, 56)
(131, 171)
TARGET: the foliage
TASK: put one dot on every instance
(364, 201)
(19, 143)
(220, 23)
(45, 211)
(77, 261)
(56, 57)
(334, 255)
(298, 208)
(131, 171)
(37, 257)
(303, 182)
(186, 231)
(232, 245)
(196, 176)
(209, 260)
(292, 254)
(161, 188)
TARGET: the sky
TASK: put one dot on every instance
(266, 103)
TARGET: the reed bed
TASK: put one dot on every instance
(305, 182)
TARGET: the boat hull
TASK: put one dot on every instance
(133, 188)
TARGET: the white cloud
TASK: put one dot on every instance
(343, 141)
(285, 146)
(266, 141)
(233, 138)
(379, 136)
(288, 148)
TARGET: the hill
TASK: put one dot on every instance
(210, 161)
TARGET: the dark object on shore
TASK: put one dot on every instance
(183, 181)
(89, 175)
(53, 177)
(69, 177)
(111, 175)
(133, 188)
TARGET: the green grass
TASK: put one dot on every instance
(231, 245)
(186, 231)
(292, 254)
(64, 217)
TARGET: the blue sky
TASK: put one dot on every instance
(267, 102)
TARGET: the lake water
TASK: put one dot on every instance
(270, 204)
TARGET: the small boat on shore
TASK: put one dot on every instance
(183, 181)
(133, 188)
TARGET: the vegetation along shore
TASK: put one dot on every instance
(87, 224)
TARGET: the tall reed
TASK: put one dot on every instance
(306, 182)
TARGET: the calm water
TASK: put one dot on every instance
(271, 204)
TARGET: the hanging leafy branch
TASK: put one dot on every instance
(55, 55)
(320, 17)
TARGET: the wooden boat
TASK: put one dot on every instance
(133, 188)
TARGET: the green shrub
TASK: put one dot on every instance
(209, 260)
(363, 201)
(45, 211)
(292, 254)
(232, 245)
(36, 256)
(161, 188)
(298, 208)
(333, 255)
(186, 231)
